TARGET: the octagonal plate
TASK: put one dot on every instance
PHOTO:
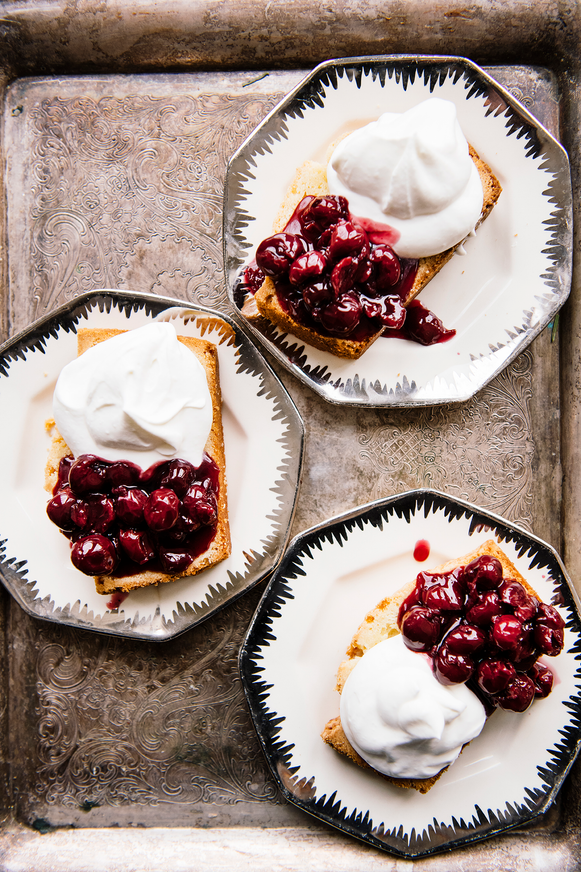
(328, 580)
(516, 270)
(263, 435)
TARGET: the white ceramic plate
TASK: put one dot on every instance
(515, 273)
(263, 435)
(330, 577)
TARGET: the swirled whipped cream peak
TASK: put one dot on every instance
(141, 396)
(413, 172)
(400, 719)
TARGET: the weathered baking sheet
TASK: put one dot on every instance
(116, 181)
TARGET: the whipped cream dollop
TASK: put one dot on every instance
(141, 396)
(398, 716)
(413, 172)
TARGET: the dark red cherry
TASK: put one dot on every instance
(514, 595)
(94, 555)
(387, 267)
(485, 572)
(200, 506)
(174, 560)
(420, 628)
(122, 472)
(253, 278)
(307, 268)
(342, 316)
(88, 474)
(59, 509)
(178, 476)
(65, 464)
(549, 616)
(518, 695)
(137, 545)
(347, 241)
(129, 505)
(542, 678)
(94, 513)
(275, 254)
(343, 275)
(548, 640)
(482, 609)
(466, 639)
(507, 633)
(389, 310)
(425, 327)
(494, 676)
(318, 294)
(443, 592)
(161, 510)
(452, 668)
(326, 211)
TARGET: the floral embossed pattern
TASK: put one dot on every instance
(127, 724)
(127, 192)
(444, 449)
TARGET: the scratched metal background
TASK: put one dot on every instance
(118, 121)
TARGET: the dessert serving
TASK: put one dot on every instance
(137, 465)
(430, 663)
(359, 237)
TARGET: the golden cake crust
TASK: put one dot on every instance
(220, 547)
(380, 624)
(311, 179)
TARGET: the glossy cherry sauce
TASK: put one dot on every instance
(121, 519)
(482, 628)
(338, 275)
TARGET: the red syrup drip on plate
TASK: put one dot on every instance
(421, 550)
(116, 600)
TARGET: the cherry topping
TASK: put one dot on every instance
(466, 639)
(307, 268)
(494, 676)
(346, 241)
(137, 545)
(275, 254)
(178, 476)
(161, 510)
(451, 667)
(342, 316)
(59, 509)
(94, 555)
(483, 608)
(88, 474)
(95, 513)
(518, 695)
(514, 594)
(507, 632)
(484, 572)
(542, 678)
(129, 505)
(478, 626)
(122, 472)
(425, 327)
(420, 628)
(200, 506)
(548, 639)
(132, 517)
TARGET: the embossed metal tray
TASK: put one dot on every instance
(330, 577)
(113, 750)
(263, 435)
(514, 275)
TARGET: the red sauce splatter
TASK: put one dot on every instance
(116, 600)
(422, 550)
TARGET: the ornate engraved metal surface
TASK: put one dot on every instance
(118, 181)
